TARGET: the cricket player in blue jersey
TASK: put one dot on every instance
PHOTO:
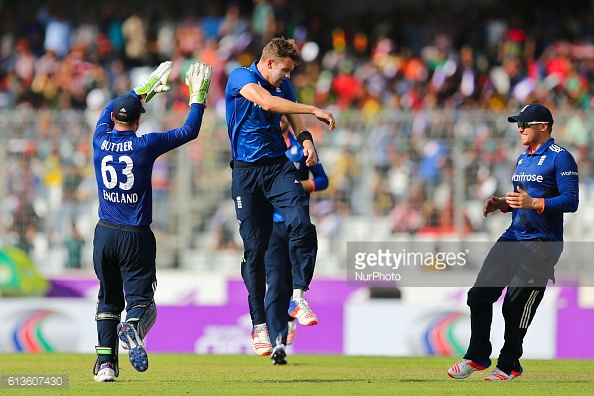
(256, 98)
(124, 247)
(523, 259)
(281, 326)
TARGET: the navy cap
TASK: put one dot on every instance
(127, 108)
(533, 112)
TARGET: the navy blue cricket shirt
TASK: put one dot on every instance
(550, 173)
(253, 132)
(124, 165)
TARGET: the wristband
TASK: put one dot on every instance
(303, 136)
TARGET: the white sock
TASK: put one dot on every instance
(298, 293)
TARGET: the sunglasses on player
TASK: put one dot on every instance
(524, 124)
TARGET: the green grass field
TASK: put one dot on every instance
(170, 374)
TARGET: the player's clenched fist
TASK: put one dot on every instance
(198, 79)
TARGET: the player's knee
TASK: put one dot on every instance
(301, 231)
(255, 249)
(479, 297)
(106, 315)
(507, 309)
(310, 232)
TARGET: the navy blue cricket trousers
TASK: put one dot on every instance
(124, 259)
(279, 281)
(256, 188)
(519, 266)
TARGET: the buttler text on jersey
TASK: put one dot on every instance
(118, 147)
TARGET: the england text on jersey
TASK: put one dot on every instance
(120, 197)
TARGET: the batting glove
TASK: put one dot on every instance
(156, 82)
(198, 79)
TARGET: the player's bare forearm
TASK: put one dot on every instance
(307, 186)
(268, 102)
(284, 106)
(296, 123)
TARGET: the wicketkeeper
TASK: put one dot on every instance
(124, 247)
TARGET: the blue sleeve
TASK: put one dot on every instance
(169, 140)
(193, 123)
(566, 173)
(320, 179)
(238, 79)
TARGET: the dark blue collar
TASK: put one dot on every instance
(263, 83)
(542, 148)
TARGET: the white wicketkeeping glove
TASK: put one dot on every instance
(198, 80)
(156, 82)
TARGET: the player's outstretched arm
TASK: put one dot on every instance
(198, 79)
(326, 117)
(156, 82)
(263, 98)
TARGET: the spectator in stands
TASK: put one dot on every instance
(262, 23)
(233, 23)
(134, 30)
(345, 175)
(25, 224)
(74, 244)
(58, 29)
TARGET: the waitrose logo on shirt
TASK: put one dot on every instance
(569, 173)
(527, 177)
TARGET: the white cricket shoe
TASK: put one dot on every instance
(464, 368)
(300, 309)
(292, 332)
(499, 375)
(261, 337)
(106, 373)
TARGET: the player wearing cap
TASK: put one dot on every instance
(282, 327)
(256, 98)
(124, 247)
(523, 259)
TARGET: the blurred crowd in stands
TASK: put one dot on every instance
(73, 56)
(53, 54)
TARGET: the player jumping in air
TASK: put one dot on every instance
(281, 326)
(256, 98)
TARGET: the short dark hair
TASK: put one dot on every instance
(124, 118)
(279, 48)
